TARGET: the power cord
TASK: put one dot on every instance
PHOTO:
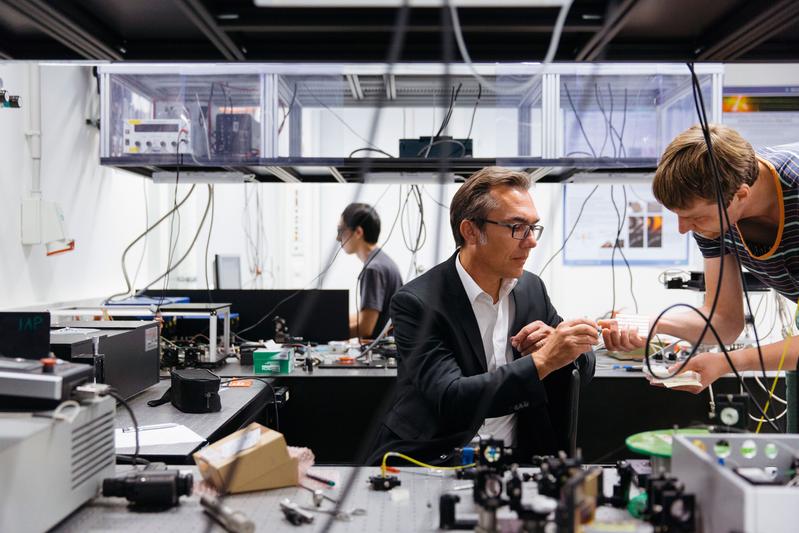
(571, 231)
(723, 216)
(126, 405)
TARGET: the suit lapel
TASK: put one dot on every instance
(463, 313)
(522, 306)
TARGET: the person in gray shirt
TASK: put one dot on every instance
(358, 231)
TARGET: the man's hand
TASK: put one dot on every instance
(531, 337)
(565, 344)
(710, 367)
(620, 339)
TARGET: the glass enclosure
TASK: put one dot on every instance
(297, 122)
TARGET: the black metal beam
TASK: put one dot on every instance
(749, 29)
(200, 17)
(63, 29)
(4, 55)
(385, 28)
(614, 23)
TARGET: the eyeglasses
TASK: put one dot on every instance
(340, 230)
(520, 231)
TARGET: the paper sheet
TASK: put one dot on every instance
(177, 434)
(689, 378)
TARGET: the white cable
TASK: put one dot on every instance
(520, 89)
(762, 386)
(712, 400)
(70, 418)
(757, 418)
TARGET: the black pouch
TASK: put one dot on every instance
(193, 390)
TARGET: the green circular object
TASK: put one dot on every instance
(749, 449)
(658, 442)
(771, 451)
(722, 449)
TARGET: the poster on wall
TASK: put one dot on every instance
(647, 232)
(765, 116)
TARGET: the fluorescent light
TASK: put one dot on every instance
(188, 176)
(412, 3)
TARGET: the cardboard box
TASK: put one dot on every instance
(264, 461)
(272, 361)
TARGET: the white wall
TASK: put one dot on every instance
(103, 208)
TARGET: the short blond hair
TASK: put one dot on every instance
(473, 200)
(685, 175)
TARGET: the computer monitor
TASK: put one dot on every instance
(25, 334)
(227, 272)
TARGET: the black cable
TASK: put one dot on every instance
(720, 204)
(141, 236)
(434, 200)
(178, 161)
(647, 358)
(284, 300)
(344, 122)
(427, 148)
(619, 225)
(394, 55)
(622, 148)
(271, 388)
(607, 130)
(571, 231)
(421, 233)
(620, 218)
(624, 257)
(448, 115)
(127, 407)
(699, 102)
(298, 291)
(579, 122)
(611, 128)
(723, 216)
(208, 244)
(474, 110)
(369, 260)
(190, 248)
(378, 150)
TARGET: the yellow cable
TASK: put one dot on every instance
(779, 368)
(383, 466)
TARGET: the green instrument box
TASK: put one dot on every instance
(273, 361)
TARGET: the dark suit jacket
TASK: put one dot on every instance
(444, 391)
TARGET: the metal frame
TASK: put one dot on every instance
(146, 310)
(273, 87)
(205, 22)
(63, 29)
(615, 22)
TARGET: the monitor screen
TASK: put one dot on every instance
(25, 334)
(227, 269)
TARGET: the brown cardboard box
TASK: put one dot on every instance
(264, 461)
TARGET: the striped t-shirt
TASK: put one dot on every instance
(776, 265)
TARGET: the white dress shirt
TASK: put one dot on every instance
(494, 321)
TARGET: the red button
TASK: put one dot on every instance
(48, 364)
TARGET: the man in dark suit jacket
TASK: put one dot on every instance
(482, 351)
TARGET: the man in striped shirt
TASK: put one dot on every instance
(761, 192)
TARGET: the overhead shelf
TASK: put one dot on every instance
(410, 170)
(314, 122)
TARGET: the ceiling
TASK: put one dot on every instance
(237, 30)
